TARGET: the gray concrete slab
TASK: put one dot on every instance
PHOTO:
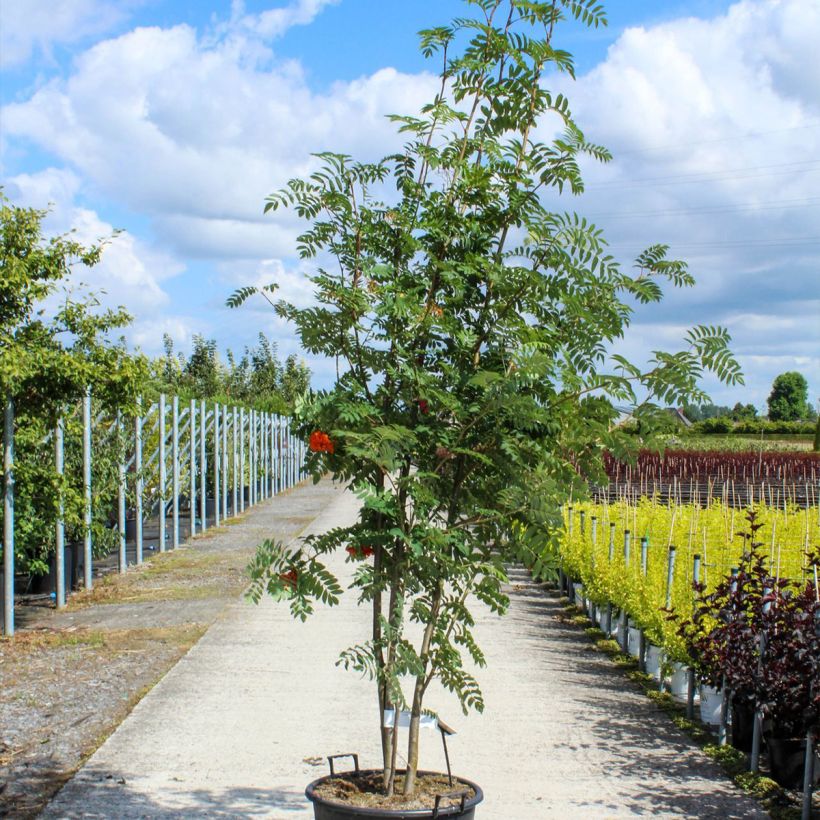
(235, 728)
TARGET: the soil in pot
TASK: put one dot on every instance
(343, 795)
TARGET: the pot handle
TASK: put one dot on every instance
(331, 758)
(439, 797)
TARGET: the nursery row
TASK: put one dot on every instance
(729, 492)
(699, 465)
(715, 597)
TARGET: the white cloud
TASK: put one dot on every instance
(715, 128)
(275, 22)
(714, 124)
(130, 271)
(29, 26)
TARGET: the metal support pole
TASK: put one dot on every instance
(757, 728)
(690, 683)
(59, 539)
(162, 475)
(235, 464)
(87, 489)
(8, 518)
(271, 462)
(139, 483)
(644, 568)
(122, 558)
(216, 465)
(242, 457)
(226, 420)
(265, 457)
(192, 466)
(203, 467)
(175, 469)
(808, 777)
(252, 445)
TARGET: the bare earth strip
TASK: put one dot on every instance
(242, 722)
(68, 679)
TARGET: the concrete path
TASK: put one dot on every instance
(244, 721)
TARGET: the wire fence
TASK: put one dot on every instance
(180, 467)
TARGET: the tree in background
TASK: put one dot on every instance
(701, 412)
(54, 344)
(258, 379)
(744, 412)
(788, 400)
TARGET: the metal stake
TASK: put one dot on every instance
(122, 558)
(87, 488)
(8, 517)
(203, 467)
(192, 457)
(235, 465)
(59, 558)
(138, 471)
(216, 465)
(175, 470)
(162, 474)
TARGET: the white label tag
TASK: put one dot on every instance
(425, 721)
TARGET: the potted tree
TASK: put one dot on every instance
(787, 689)
(471, 325)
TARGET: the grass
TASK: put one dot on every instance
(735, 764)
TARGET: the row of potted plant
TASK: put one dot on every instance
(753, 640)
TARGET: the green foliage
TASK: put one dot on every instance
(49, 357)
(788, 400)
(472, 326)
(257, 380)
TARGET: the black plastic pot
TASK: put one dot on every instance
(787, 757)
(327, 810)
(743, 725)
(44, 584)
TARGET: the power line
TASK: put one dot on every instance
(712, 176)
(806, 202)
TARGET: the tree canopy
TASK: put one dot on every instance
(788, 400)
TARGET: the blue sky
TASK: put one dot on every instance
(173, 120)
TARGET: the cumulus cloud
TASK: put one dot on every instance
(131, 272)
(715, 126)
(715, 131)
(31, 26)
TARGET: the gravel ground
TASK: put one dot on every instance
(68, 679)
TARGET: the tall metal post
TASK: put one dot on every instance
(175, 470)
(281, 434)
(690, 683)
(242, 457)
(8, 517)
(122, 558)
(203, 467)
(225, 488)
(139, 483)
(87, 488)
(192, 466)
(162, 474)
(234, 464)
(263, 477)
(216, 464)
(59, 535)
(252, 448)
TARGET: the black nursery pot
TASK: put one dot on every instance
(331, 810)
(743, 725)
(787, 757)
